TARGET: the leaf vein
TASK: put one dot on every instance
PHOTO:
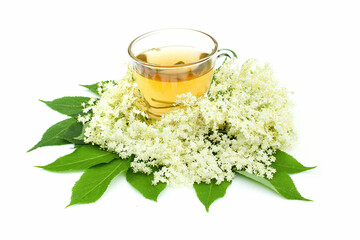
(97, 185)
(55, 136)
(83, 160)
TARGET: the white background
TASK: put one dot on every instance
(48, 48)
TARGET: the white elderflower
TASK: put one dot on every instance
(242, 120)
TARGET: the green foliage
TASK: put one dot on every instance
(92, 88)
(208, 193)
(285, 162)
(100, 166)
(73, 132)
(95, 180)
(55, 135)
(281, 183)
(70, 106)
(82, 158)
(81, 137)
(95, 87)
(143, 183)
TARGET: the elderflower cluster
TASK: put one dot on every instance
(239, 124)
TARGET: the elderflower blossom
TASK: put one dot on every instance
(242, 120)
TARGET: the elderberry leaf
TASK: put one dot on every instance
(95, 87)
(285, 162)
(72, 134)
(281, 183)
(95, 180)
(208, 193)
(54, 135)
(82, 158)
(92, 88)
(70, 106)
(143, 183)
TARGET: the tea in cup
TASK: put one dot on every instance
(170, 62)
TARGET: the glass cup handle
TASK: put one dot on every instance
(222, 53)
(225, 53)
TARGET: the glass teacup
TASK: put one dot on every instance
(170, 62)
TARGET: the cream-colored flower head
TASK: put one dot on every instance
(243, 119)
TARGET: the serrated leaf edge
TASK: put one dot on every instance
(274, 188)
(207, 203)
(56, 136)
(151, 189)
(70, 204)
(297, 170)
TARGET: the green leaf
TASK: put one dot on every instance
(81, 137)
(54, 135)
(261, 180)
(95, 180)
(94, 87)
(143, 183)
(70, 106)
(281, 183)
(285, 162)
(82, 158)
(208, 193)
(285, 186)
(72, 134)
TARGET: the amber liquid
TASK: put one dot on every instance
(160, 86)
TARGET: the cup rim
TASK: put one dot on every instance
(172, 66)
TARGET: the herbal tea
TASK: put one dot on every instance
(161, 84)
